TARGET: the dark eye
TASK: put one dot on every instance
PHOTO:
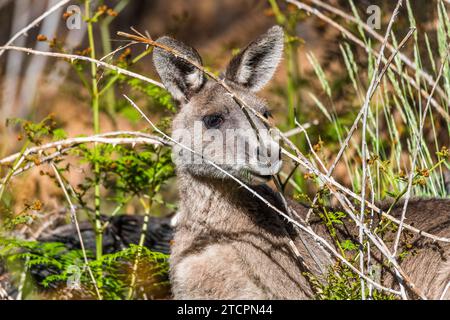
(213, 121)
(267, 114)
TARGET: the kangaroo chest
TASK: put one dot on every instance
(219, 244)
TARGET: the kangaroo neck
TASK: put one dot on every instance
(225, 205)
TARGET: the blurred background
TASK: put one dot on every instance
(321, 84)
(32, 87)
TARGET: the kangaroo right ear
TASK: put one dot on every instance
(179, 77)
(255, 65)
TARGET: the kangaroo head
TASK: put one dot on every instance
(211, 123)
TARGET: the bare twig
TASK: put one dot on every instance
(34, 23)
(74, 57)
(73, 214)
(138, 76)
(370, 92)
(106, 138)
(22, 278)
(4, 294)
(300, 128)
(300, 159)
(15, 167)
(447, 287)
(429, 79)
(333, 184)
(379, 243)
(365, 110)
(415, 155)
(360, 43)
(317, 238)
(369, 256)
(403, 278)
(66, 145)
(311, 148)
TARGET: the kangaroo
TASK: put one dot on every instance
(228, 244)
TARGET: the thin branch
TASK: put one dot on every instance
(379, 243)
(317, 238)
(73, 214)
(365, 110)
(138, 76)
(300, 128)
(15, 167)
(360, 43)
(4, 294)
(415, 155)
(22, 278)
(379, 37)
(447, 287)
(332, 184)
(74, 57)
(370, 92)
(139, 138)
(65, 146)
(33, 24)
(300, 159)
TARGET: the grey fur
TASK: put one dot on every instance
(255, 65)
(179, 77)
(230, 245)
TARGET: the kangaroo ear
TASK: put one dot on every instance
(256, 64)
(179, 77)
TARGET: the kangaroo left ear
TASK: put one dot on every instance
(181, 78)
(255, 65)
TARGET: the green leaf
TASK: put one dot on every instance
(59, 134)
(131, 114)
(348, 245)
